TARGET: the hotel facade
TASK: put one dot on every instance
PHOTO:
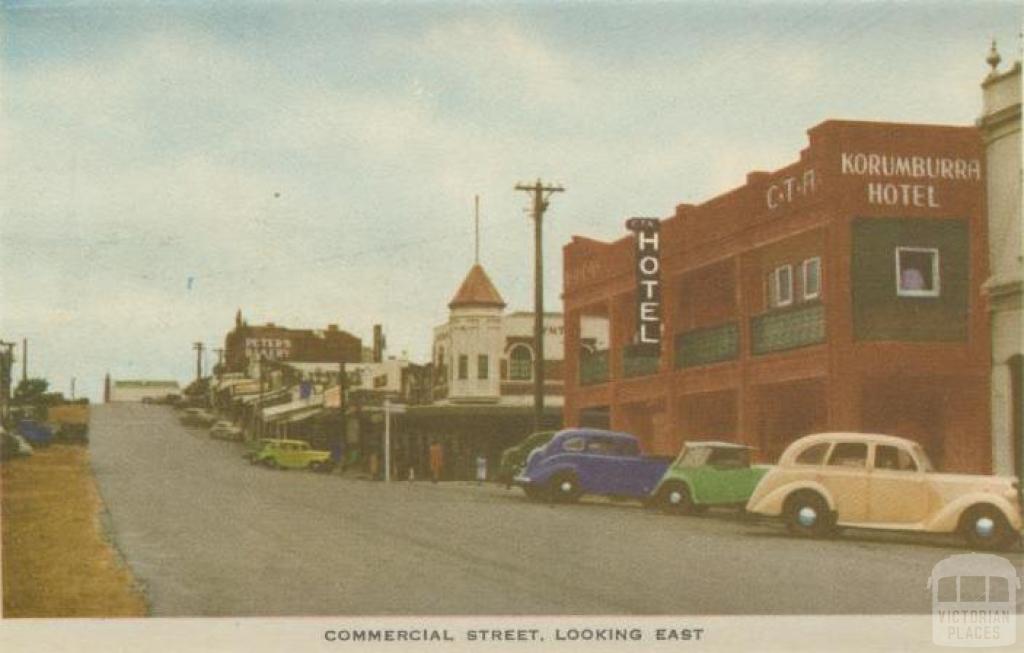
(842, 292)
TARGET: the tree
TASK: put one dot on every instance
(30, 391)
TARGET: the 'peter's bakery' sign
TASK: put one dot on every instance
(648, 280)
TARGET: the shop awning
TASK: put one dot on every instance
(291, 411)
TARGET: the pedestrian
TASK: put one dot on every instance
(481, 469)
(412, 474)
(436, 461)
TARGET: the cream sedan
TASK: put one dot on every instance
(861, 480)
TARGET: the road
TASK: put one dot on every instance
(207, 534)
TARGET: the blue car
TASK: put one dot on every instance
(590, 461)
(37, 434)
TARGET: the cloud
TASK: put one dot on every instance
(319, 165)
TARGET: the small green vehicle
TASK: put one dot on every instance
(513, 459)
(292, 454)
(708, 474)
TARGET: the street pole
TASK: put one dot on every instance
(6, 361)
(387, 440)
(259, 405)
(24, 360)
(541, 193)
(198, 346)
(342, 407)
(72, 388)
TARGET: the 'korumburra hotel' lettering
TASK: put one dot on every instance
(918, 195)
(915, 167)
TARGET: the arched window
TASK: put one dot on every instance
(520, 363)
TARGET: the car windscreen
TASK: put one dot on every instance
(693, 457)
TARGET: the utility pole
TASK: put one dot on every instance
(342, 408)
(198, 346)
(6, 360)
(24, 360)
(72, 388)
(259, 404)
(541, 194)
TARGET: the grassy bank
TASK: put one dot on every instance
(56, 560)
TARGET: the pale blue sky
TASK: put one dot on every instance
(144, 144)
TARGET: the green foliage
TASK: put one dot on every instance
(30, 391)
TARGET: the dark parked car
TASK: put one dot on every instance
(37, 433)
(591, 461)
(513, 459)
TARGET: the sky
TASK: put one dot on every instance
(168, 163)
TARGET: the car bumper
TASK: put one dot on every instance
(522, 480)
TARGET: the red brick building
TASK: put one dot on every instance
(274, 342)
(841, 292)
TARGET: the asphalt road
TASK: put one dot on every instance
(207, 534)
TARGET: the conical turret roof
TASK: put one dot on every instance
(477, 290)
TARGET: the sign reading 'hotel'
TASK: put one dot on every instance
(648, 280)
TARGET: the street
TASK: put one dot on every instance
(207, 534)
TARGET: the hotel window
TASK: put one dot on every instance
(520, 363)
(811, 281)
(481, 366)
(780, 287)
(917, 272)
(463, 366)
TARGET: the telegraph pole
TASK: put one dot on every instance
(342, 408)
(6, 360)
(198, 346)
(541, 194)
(24, 360)
(259, 404)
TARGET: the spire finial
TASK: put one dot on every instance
(993, 58)
(476, 221)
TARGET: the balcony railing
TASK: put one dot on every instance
(709, 345)
(788, 329)
(593, 367)
(639, 361)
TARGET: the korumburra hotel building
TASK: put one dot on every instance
(842, 292)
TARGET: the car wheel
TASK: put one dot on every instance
(564, 488)
(675, 499)
(807, 515)
(984, 527)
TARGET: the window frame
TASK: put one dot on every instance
(829, 462)
(898, 449)
(512, 362)
(806, 296)
(463, 367)
(482, 367)
(774, 285)
(936, 289)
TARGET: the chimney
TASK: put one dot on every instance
(332, 327)
(378, 343)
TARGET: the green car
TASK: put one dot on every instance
(292, 454)
(708, 474)
(514, 458)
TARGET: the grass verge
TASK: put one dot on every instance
(57, 561)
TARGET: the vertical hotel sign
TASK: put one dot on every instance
(648, 281)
